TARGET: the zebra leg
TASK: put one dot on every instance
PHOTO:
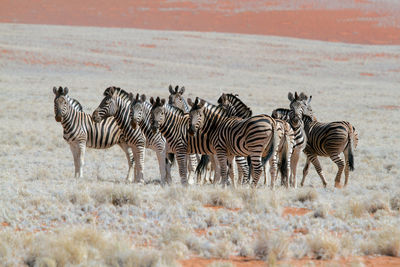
(243, 169)
(257, 169)
(139, 163)
(293, 164)
(129, 157)
(181, 158)
(339, 162)
(192, 163)
(231, 170)
(222, 160)
(314, 160)
(168, 171)
(161, 156)
(82, 150)
(217, 169)
(273, 167)
(74, 151)
(305, 171)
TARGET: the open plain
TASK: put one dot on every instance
(49, 218)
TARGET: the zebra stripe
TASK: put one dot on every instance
(254, 137)
(80, 131)
(116, 104)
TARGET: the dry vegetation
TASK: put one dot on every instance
(48, 218)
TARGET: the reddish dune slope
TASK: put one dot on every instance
(351, 21)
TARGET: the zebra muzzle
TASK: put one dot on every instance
(96, 116)
(133, 123)
(58, 118)
(191, 131)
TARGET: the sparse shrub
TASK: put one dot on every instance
(306, 195)
(245, 251)
(222, 249)
(357, 209)
(374, 205)
(175, 232)
(45, 262)
(324, 246)
(224, 198)
(176, 249)
(321, 212)
(212, 220)
(271, 246)
(386, 242)
(395, 202)
(117, 195)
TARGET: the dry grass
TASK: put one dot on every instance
(306, 195)
(271, 246)
(384, 242)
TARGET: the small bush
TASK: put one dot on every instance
(395, 202)
(324, 246)
(271, 246)
(386, 242)
(307, 195)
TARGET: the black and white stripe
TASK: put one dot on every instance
(80, 131)
(116, 104)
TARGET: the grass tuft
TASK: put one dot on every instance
(324, 246)
(304, 195)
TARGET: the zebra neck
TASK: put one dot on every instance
(212, 118)
(122, 115)
(186, 106)
(308, 123)
(69, 120)
(145, 122)
(171, 122)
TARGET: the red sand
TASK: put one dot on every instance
(359, 24)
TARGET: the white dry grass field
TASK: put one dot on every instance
(49, 218)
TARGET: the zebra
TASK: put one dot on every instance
(236, 107)
(254, 137)
(140, 117)
(80, 131)
(116, 104)
(326, 140)
(298, 131)
(177, 100)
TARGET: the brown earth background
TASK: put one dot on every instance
(349, 21)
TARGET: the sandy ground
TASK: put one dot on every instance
(101, 221)
(351, 21)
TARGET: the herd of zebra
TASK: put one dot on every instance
(205, 138)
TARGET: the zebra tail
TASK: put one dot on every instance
(350, 150)
(171, 158)
(283, 164)
(202, 166)
(273, 143)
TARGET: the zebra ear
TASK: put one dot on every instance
(196, 102)
(189, 101)
(303, 96)
(202, 102)
(137, 97)
(309, 99)
(143, 98)
(171, 91)
(162, 101)
(112, 90)
(296, 96)
(176, 89)
(290, 97)
(182, 90)
(130, 97)
(66, 90)
(55, 90)
(152, 100)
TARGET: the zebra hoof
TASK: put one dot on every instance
(337, 185)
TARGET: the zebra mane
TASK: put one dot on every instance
(74, 103)
(120, 92)
(237, 103)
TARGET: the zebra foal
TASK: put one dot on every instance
(80, 131)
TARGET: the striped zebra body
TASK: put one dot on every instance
(235, 107)
(140, 115)
(230, 137)
(177, 100)
(329, 140)
(299, 140)
(116, 104)
(80, 131)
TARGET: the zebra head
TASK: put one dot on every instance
(196, 115)
(108, 106)
(60, 102)
(176, 99)
(157, 113)
(137, 109)
(299, 106)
